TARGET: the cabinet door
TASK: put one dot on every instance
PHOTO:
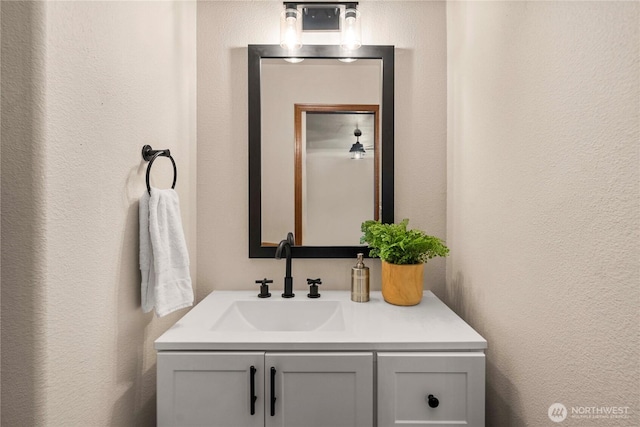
(455, 380)
(319, 389)
(210, 389)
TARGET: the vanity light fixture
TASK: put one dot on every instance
(290, 28)
(357, 150)
(350, 35)
(320, 16)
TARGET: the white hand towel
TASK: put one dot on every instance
(148, 284)
(164, 260)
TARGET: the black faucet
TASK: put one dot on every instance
(288, 280)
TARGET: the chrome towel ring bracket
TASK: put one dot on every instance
(150, 155)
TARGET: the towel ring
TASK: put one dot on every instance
(150, 155)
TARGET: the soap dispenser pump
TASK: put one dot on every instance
(360, 281)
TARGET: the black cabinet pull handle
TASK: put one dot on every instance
(252, 391)
(433, 401)
(273, 391)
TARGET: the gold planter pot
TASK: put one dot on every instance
(402, 284)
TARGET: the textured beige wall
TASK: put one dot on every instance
(84, 86)
(417, 29)
(543, 173)
(0, 211)
(23, 275)
(543, 189)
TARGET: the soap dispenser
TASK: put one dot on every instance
(360, 281)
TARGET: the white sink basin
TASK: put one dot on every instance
(282, 315)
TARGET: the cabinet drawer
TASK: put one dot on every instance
(406, 380)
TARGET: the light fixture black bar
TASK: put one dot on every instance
(320, 15)
(348, 4)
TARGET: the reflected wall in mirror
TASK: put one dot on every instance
(275, 88)
(336, 160)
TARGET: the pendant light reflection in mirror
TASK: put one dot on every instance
(357, 150)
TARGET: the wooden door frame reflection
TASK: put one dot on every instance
(299, 110)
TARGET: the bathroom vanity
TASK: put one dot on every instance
(237, 360)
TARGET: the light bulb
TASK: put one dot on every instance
(350, 38)
(290, 29)
(290, 37)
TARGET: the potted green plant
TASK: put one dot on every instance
(403, 253)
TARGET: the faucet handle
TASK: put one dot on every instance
(313, 287)
(264, 288)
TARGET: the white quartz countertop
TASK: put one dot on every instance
(374, 325)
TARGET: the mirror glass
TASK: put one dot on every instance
(303, 119)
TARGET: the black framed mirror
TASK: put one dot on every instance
(276, 83)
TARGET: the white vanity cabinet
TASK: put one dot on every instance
(271, 389)
(237, 360)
